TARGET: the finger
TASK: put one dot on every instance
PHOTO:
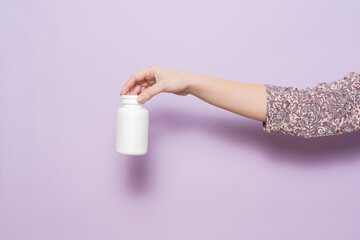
(135, 78)
(131, 91)
(135, 90)
(148, 93)
(139, 88)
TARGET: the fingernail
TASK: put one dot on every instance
(140, 98)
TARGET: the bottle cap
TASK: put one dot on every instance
(130, 99)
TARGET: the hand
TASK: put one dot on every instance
(154, 80)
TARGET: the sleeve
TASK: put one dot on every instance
(327, 109)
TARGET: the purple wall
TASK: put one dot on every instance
(209, 174)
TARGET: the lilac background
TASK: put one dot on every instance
(209, 174)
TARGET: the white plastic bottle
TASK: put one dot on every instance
(132, 127)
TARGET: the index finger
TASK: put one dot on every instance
(135, 78)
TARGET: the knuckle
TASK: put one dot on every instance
(136, 75)
(132, 77)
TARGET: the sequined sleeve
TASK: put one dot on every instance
(329, 108)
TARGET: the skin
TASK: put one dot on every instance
(245, 99)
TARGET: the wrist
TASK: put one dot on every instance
(194, 84)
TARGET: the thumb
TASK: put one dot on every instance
(147, 93)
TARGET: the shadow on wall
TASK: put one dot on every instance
(240, 131)
(139, 170)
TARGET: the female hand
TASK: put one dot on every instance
(153, 80)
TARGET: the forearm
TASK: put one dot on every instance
(248, 100)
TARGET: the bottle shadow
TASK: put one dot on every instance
(139, 170)
(238, 131)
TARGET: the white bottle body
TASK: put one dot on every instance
(132, 127)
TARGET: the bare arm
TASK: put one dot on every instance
(245, 99)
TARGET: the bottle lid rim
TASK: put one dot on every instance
(130, 99)
(130, 96)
